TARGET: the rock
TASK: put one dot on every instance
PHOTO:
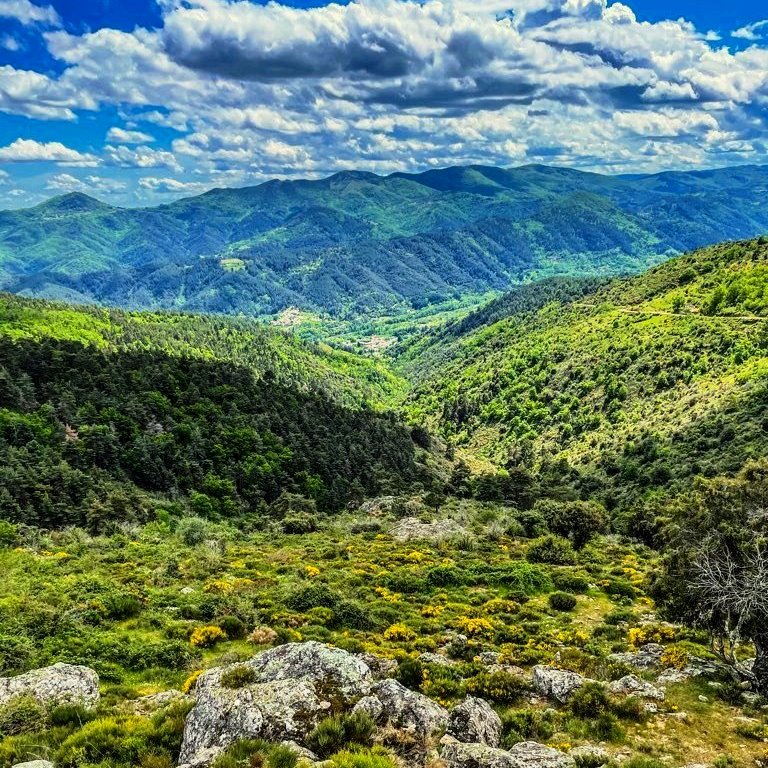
(475, 721)
(380, 506)
(526, 754)
(302, 752)
(557, 684)
(380, 666)
(372, 706)
(34, 764)
(186, 590)
(53, 686)
(436, 658)
(590, 753)
(647, 657)
(489, 658)
(412, 528)
(146, 705)
(294, 687)
(405, 710)
(632, 685)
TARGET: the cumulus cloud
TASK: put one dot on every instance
(27, 13)
(253, 91)
(31, 151)
(65, 182)
(123, 136)
(139, 157)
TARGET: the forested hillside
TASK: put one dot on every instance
(641, 384)
(357, 243)
(107, 416)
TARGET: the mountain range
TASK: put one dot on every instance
(357, 243)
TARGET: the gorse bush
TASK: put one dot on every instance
(562, 601)
(551, 549)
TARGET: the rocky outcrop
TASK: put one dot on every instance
(526, 754)
(412, 528)
(293, 687)
(631, 685)
(392, 704)
(473, 720)
(436, 659)
(54, 686)
(647, 657)
(380, 666)
(557, 684)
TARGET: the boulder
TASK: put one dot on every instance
(34, 764)
(54, 686)
(380, 666)
(647, 657)
(557, 684)
(631, 685)
(412, 528)
(473, 720)
(404, 709)
(436, 658)
(294, 687)
(301, 752)
(591, 754)
(526, 754)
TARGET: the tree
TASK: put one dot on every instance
(716, 568)
(578, 521)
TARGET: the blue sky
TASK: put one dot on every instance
(142, 102)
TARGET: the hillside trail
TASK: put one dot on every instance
(668, 313)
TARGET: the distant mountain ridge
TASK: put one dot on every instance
(356, 242)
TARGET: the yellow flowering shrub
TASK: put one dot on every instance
(399, 633)
(650, 633)
(474, 627)
(189, 683)
(674, 657)
(312, 571)
(205, 637)
(498, 605)
(227, 586)
(432, 611)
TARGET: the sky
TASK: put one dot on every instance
(142, 102)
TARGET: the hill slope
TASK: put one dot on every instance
(637, 385)
(357, 243)
(106, 416)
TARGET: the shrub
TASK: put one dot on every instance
(238, 677)
(589, 701)
(121, 606)
(9, 534)
(527, 725)
(299, 523)
(674, 657)
(193, 530)
(262, 636)
(351, 615)
(234, 627)
(410, 672)
(338, 731)
(244, 753)
(445, 576)
(312, 596)
(577, 520)
(551, 549)
(399, 633)
(500, 686)
(106, 741)
(562, 601)
(571, 582)
(207, 636)
(22, 714)
(621, 588)
(606, 727)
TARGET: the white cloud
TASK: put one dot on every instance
(122, 136)
(10, 43)
(29, 151)
(27, 13)
(756, 31)
(155, 184)
(139, 157)
(65, 182)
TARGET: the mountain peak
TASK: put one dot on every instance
(73, 202)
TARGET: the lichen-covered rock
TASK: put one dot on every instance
(473, 720)
(380, 666)
(301, 752)
(632, 685)
(53, 686)
(557, 684)
(412, 528)
(372, 707)
(647, 657)
(590, 754)
(405, 710)
(294, 687)
(526, 754)
(436, 659)
(34, 764)
(146, 705)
